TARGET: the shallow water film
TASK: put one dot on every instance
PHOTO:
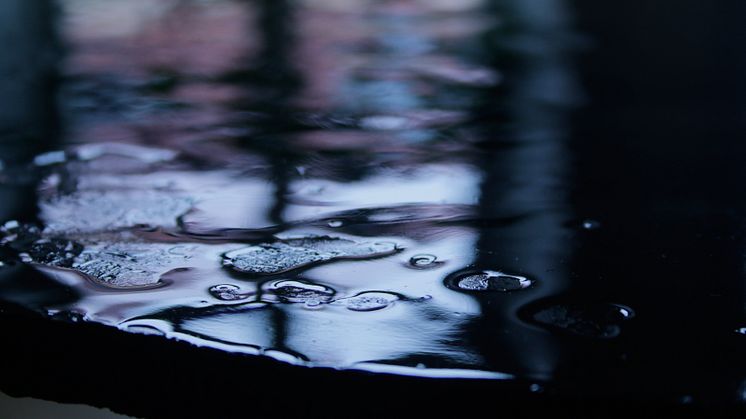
(498, 191)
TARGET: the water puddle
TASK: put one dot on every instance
(343, 201)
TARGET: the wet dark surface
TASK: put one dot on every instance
(333, 207)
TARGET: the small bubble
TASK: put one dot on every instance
(475, 281)
(335, 223)
(741, 331)
(295, 291)
(536, 388)
(227, 292)
(424, 261)
(421, 366)
(313, 304)
(624, 311)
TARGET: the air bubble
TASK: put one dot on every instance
(369, 301)
(313, 304)
(295, 291)
(228, 292)
(424, 261)
(477, 281)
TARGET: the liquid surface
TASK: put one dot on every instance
(410, 190)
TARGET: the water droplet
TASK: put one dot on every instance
(335, 223)
(424, 261)
(592, 320)
(297, 291)
(475, 281)
(369, 301)
(295, 253)
(228, 292)
(536, 388)
(590, 224)
(741, 331)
